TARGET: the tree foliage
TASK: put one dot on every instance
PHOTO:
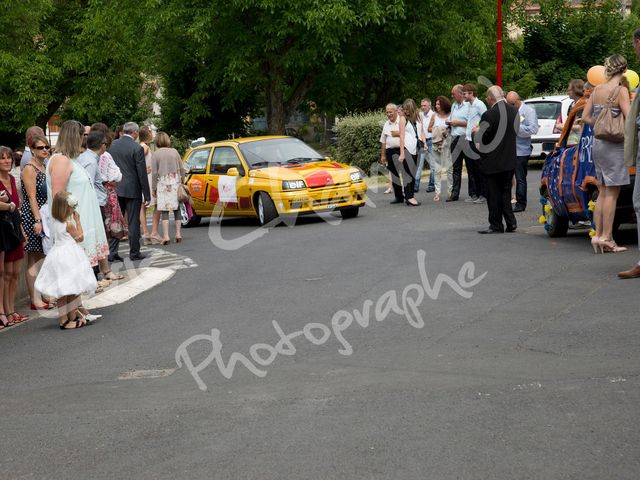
(75, 56)
(562, 43)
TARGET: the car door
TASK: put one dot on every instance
(230, 191)
(195, 166)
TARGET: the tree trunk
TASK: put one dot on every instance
(280, 109)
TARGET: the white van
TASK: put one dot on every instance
(550, 110)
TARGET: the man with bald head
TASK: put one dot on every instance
(495, 139)
(528, 127)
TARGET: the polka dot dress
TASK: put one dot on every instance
(34, 242)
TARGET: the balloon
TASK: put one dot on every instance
(633, 78)
(596, 75)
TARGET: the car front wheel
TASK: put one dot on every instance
(558, 226)
(349, 212)
(265, 209)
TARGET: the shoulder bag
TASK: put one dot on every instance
(609, 126)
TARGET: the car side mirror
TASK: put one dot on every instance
(233, 172)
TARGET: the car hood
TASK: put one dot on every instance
(315, 174)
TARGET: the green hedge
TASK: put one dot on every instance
(359, 139)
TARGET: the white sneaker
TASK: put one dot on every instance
(91, 317)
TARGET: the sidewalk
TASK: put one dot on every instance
(140, 276)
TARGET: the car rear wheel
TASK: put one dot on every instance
(349, 212)
(265, 209)
(558, 226)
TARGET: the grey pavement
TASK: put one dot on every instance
(533, 377)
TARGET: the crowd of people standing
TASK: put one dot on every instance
(494, 143)
(68, 210)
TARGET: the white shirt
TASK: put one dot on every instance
(425, 118)
(411, 136)
(386, 137)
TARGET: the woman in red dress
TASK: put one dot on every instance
(12, 259)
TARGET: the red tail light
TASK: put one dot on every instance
(555, 127)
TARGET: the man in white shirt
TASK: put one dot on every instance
(425, 119)
(390, 147)
(476, 182)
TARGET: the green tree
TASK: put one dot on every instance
(561, 42)
(79, 57)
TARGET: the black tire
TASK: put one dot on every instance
(266, 210)
(349, 212)
(558, 226)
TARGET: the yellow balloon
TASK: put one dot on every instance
(596, 75)
(633, 78)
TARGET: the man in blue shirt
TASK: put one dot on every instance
(458, 123)
(528, 127)
(476, 181)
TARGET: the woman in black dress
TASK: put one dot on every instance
(34, 195)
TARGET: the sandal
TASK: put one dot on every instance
(178, 239)
(4, 323)
(436, 198)
(17, 318)
(112, 276)
(609, 246)
(388, 191)
(78, 323)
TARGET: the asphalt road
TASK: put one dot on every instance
(535, 376)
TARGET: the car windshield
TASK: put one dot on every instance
(546, 110)
(278, 151)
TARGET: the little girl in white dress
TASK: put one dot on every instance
(66, 272)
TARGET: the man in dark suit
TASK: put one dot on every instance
(129, 157)
(496, 142)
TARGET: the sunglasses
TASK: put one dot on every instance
(43, 147)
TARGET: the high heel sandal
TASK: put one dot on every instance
(609, 246)
(4, 323)
(17, 318)
(165, 242)
(178, 239)
(596, 244)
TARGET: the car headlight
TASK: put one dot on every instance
(293, 184)
(356, 177)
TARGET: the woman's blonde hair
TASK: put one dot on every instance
(614, 65)
(70, 139)
(60, 209)
(163, 140)
(410, 110)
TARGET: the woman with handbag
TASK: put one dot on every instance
(606, 110)
(409, 139)
(167, 174)
(11, 225)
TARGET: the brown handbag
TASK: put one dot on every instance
(609, 126)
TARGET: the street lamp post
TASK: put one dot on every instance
(499, 46)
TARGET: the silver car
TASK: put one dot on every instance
(551, 110)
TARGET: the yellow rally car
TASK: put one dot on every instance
(269, 177)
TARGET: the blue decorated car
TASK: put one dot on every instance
(568, 187)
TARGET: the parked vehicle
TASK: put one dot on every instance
(568, 183)
(550, 110)
(269, 177)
